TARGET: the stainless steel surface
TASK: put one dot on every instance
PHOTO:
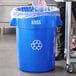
(68, 30)
(73, 60)
(68, 38)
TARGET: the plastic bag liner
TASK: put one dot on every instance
(33, 12)
(29, 12)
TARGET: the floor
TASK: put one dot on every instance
(8, 61)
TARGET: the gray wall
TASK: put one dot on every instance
(50, 2)
(15, 1)
(6, 7)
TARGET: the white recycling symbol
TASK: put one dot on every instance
(36, 45)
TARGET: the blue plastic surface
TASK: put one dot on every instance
(36, 40)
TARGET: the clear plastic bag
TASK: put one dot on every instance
(31, 11)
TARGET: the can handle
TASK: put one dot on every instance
(13, 22)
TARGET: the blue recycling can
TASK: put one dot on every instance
(36, 37)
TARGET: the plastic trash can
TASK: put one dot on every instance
(36, 37)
